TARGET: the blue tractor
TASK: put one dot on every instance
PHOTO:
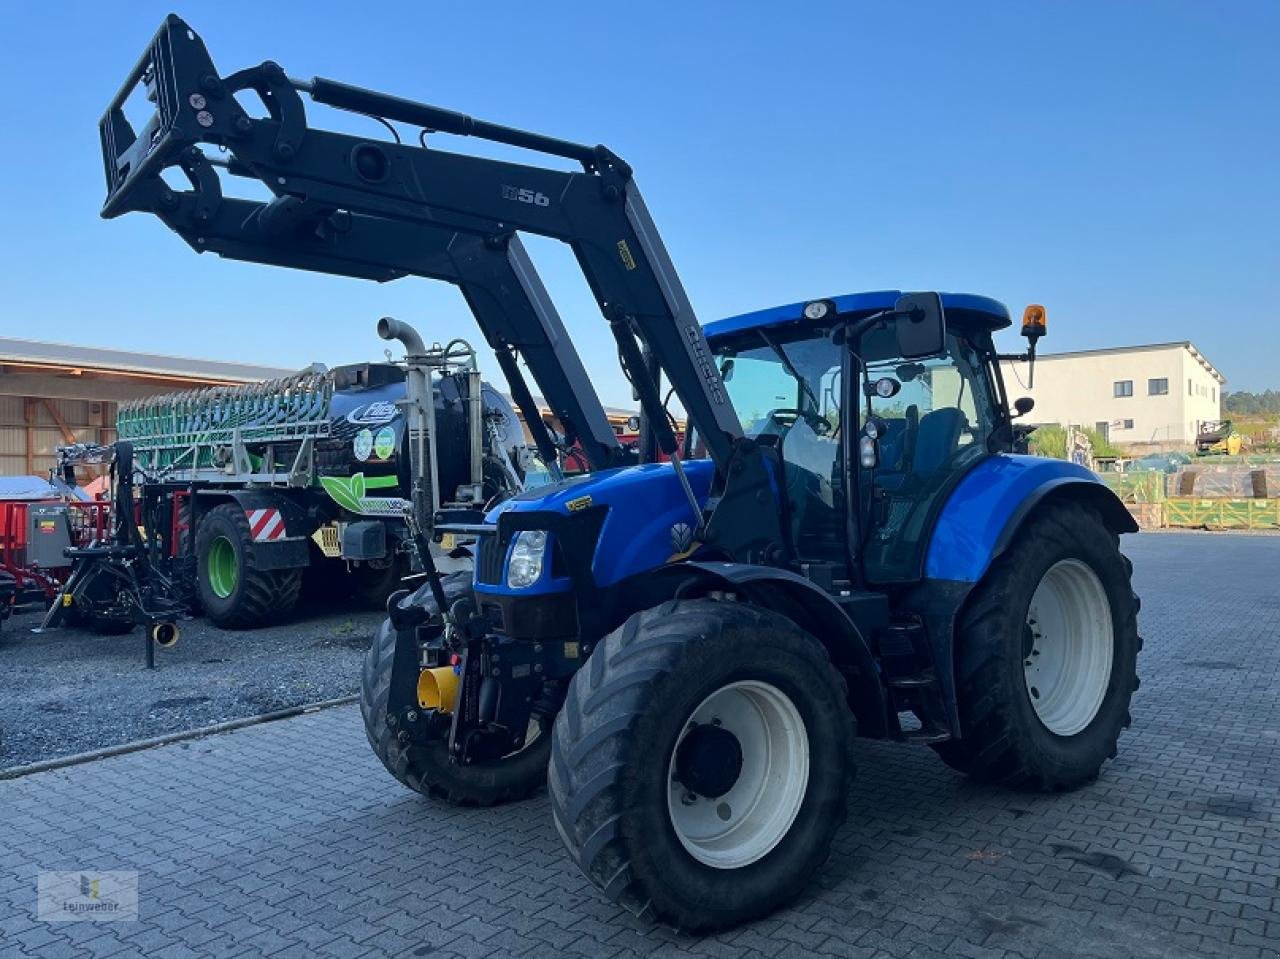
(844, 541)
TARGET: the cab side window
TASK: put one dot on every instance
(932, 432)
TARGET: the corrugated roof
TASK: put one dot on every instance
(38, 352)
(42, 353)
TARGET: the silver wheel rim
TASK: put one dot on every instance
(744, 824)
(1068, 647)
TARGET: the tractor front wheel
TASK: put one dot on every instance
(700, 765)
(426, 768)
(1047, 658)
(234, 592)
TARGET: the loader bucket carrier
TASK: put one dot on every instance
(682, 651)
(381, 211)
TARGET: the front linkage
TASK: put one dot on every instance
(455, 678)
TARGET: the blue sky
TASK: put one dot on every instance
(1114, 161)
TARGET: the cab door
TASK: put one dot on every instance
(930, 419)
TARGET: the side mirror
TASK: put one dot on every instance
(1024, 405)
(921, 325)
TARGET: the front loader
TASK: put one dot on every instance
(841, 544)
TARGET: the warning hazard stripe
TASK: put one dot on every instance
(265, 524)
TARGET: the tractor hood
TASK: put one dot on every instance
(648, 520)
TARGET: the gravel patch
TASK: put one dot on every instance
(70, 691)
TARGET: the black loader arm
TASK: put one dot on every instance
(382, 210)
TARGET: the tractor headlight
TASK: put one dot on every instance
(527, 550)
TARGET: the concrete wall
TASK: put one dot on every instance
(1080, 389)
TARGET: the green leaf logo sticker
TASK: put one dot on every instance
(346, 492)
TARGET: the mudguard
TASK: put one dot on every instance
(288, 551)
(984, 512)
(810, 608)
(978, 522)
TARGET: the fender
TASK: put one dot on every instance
(288, 552)
(982, 514)
(977, 524)
(810, 608)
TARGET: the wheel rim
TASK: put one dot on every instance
(222, 570)
(752, 816)
(1067, 647)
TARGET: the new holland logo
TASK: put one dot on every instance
(681, 537)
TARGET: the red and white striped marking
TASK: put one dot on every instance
(265, 524)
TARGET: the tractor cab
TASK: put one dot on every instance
(873, 432)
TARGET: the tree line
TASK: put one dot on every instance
(1242, 401)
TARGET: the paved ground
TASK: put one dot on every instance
(288, 839)
(71, 690)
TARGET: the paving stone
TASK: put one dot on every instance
(1175, 851)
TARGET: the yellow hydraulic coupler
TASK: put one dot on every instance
(438, 688)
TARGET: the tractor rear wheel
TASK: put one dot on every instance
(700, 765)
(426, 768)
(234, 592)
(1047, 656)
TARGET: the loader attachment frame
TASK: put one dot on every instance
(382, 210)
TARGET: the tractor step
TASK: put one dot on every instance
(917, 681)
(902, 641)
(923, 737)
(919, 694)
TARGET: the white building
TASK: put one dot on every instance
(1159, 393)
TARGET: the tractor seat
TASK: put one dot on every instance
(937, 438)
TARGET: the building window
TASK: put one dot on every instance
(1213, 393)
(1158, 387)
(1122, 388)
(1128, 425)
(1190, 391)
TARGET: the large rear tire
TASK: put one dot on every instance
(1047, 657)
(234, 592)
(426, 769)
(701, 763)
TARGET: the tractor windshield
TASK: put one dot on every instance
(787, 383)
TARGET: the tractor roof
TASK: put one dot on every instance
(965, 310)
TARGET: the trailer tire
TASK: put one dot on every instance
(1056, 610)
(372, 585)
(426, 769)
(234, 593)
(626, 769)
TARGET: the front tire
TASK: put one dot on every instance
(426, 768)
(654, 801)
(1047, 660)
